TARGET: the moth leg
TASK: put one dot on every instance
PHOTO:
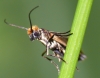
(58, 57)
(57, 67)
(47, 52)
(47, 49)
(62, 60)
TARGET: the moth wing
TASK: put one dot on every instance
(60, 38)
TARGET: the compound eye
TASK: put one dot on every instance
(36, 34)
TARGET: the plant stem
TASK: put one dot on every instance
(75, 40)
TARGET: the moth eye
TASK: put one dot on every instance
(36, 34)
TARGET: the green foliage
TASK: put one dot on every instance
(75, 41)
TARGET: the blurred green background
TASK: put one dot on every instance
(21, 58)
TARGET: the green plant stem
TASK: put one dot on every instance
(75, 40)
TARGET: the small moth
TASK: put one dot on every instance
(54, 41)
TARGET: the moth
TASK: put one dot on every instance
(54, 41)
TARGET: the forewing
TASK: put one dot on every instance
(60, 38)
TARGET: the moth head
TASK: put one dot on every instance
(33, 33)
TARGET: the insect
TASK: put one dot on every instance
(54, 41)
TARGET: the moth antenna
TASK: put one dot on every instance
(15, 25)
(30, 17)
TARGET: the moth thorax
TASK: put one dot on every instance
(34, 28)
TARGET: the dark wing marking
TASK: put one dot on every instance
(60, 32)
